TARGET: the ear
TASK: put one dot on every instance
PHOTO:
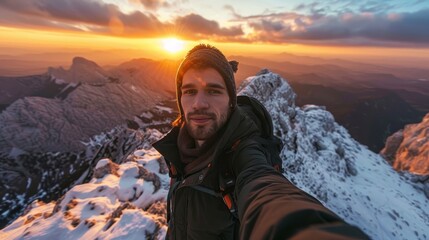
(234, 65)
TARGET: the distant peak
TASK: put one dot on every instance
(83, 61)
(82, 70)
(263, 72)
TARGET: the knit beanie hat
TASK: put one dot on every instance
(205, 56)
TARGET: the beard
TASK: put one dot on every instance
(206, 131)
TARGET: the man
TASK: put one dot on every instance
(209, 125)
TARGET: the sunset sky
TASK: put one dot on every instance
(388, 28)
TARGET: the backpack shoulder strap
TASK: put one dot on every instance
(226, 179)
(258, 110)
(271, 144)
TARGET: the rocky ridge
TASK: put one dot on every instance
(47, 176)
(319, 156)
(80, 111)
(120, 201)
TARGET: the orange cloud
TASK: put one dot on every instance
(364, 28)
(102, 18)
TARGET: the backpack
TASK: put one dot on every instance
(259, 114)
(270, 143)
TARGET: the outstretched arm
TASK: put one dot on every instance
(271, 207)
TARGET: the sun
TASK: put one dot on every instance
(172, 45)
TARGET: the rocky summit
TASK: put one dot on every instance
(126, 197)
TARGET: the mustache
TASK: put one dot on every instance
(205, 113)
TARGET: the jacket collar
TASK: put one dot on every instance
(167, 147)
(237, 127)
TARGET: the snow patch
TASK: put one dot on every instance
(102, 163)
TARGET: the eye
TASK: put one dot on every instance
(214, 92)
(189, 92)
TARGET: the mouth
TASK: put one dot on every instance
(200, 119)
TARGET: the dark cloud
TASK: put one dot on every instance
(376, 7)
(81, 15)
(9, 18)
(232, 11)
(82, 11)
(194, 23)
(348, 6)
(260, 17)
(96, 16)
(154, 4)
(310, 6)
(351, 28)
(371, 27)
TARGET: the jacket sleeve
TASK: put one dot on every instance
(271, 207)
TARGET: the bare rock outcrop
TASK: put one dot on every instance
(81, 70)
(392, 144)
(104, 167)
(408, 149)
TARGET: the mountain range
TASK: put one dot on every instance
(61, 109)
(47, 125)
(371, 101)
(125, 194)
(50, 123)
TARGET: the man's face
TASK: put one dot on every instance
(205, 102)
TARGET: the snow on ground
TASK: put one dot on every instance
(121, 201)
(321, 158)
(356, 183)
(128, 201)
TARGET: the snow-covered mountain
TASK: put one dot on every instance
(80, 111)
(408, 148)
(124, 201)
(46, 122)
(47, 176)
(319, 156)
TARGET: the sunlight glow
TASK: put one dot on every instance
(172, 45)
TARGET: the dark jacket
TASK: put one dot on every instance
(269, 206)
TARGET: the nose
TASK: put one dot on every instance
(200, 101)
